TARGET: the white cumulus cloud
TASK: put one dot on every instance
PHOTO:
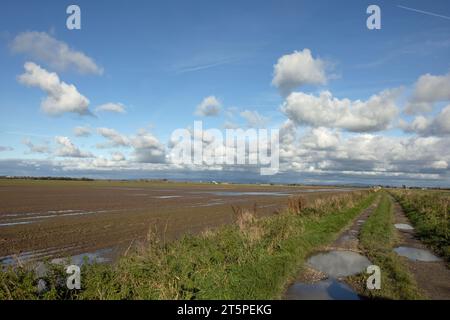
(297, 69)
(67, 149)
(254, 119)
(61, 97)
(112, 107)
(115, 138)
(210, 106)
(44, 48)
(35, 148)
(428, 89)
(82, 131)
(429, 126)
(324, 110)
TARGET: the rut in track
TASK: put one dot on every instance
(432, 277)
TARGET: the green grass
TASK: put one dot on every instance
(253, 259)
(429, 213)
(377, 239)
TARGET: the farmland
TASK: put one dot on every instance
(254, 257)
(48, 218)
(172, 240)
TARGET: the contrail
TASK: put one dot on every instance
(425, 12)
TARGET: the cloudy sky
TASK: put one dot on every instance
(353, 105)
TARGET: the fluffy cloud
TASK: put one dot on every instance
(117, 156)
(324, 110)
(82, 131)
(210, 106)
(68, 149)
(33, 148)
(325, 152)
(427, 90)
(112, 107)
(438, 126)
(321, 139)
(61, 97)
(298, 69)
(42, 47)
(147, 148)
(115, 138)
(254, 119)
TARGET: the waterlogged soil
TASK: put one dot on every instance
(430, 272)
(49, 219)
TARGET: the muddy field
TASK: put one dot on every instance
(41, 219)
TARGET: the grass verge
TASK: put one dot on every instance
(253, 259)
(377, 239)
(429, 213)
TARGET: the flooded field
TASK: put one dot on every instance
(51, 219)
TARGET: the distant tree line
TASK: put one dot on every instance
(46, 178)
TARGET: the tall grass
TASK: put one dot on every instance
(429, 213)
(252, 259)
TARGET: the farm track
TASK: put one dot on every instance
(347, 241)
(432, 277)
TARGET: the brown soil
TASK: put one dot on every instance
(62, 218)
(348, 240)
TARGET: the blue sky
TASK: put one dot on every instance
(160, 59)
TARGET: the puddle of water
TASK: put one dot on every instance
(416, 254)
(40, 268)
(339, 263)
(14, 223)
(207, 205)
(268, 206)
(98, 256)
(29, 256)
(403, 226)
(121, 188)
(329, 289)
(348, 238)
(325, 190)
(239, 193)
(166, 197)
(31, 217)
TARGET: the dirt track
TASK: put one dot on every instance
(433, 278)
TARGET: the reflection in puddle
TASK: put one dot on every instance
(329, 289)
(14, 223)
(416, 254)
(34, 259)
(207, 204)
(31, 217)
(240, 193)
(403, 226)
(99, 256)
(29, 256)
(338, 264)
(166, 197)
